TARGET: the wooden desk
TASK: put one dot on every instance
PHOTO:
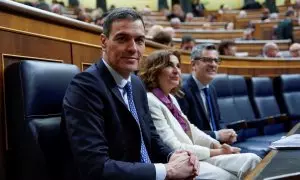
(296, 34)
(258, 66)
(246, 66)
(191, 25)
(266, 161)
(264, 30)
(210, 34)
(254, 48)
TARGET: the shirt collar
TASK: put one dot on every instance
(199, 84)
(121, 82)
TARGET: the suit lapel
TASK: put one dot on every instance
(110, 82)
(196, 93)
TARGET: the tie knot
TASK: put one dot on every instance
(205, 90)
(128, 88)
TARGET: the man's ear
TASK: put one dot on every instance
(103, 40)
(193, 65)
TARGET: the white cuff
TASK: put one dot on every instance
(217, 135)
(161, 172)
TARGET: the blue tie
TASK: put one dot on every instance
(144, 154)
(210, 109)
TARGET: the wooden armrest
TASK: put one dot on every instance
(281, 118)
(276, 119)
(238, 125)
(294, 117)
(258, 123)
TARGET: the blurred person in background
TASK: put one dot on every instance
(177, 12)
(100, 20)
(198, 8)
(41, 4)
(175, 23)
(248, 34)
(163, 37)
(154, 30)
(285, 28)
(295, 50)
(271, 50)
(242, 14)
(265, 14)
(170, 30)
(189, 17)
(187, 43)
(227, 48)
(229, 26)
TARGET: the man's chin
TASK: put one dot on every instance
(210, 76)
(132, 68)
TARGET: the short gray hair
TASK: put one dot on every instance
(197, 51)
(267, 46)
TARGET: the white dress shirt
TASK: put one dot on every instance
(160, 168)
(202, 95)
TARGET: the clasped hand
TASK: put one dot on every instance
(182, 165)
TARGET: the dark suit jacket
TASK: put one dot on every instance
(103, 135)
(192, 106)
(285, 30)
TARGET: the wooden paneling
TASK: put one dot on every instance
(25, 45)
(254, 48)
(31, 25)
(251, 66)
(259, 66)
(241, 23)
(152, 46)
(264, 30)
(296, 34)
(21, 17)
(247, 66)
(83, 55)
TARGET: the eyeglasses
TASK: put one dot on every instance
(295, 50)
(208, 60)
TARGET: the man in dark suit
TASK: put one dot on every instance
(200, 100)
(106, 115)
(285, 28)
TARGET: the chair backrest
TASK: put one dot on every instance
(265, 103)
(34, 91)
(225, 99)
(241, 97)
(263, 97)
(242, 103)
(289, 85)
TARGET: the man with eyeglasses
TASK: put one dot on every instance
(200, 101)
(295, 50)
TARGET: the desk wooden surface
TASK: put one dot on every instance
(264, 163)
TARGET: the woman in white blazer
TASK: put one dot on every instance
(161, 75)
